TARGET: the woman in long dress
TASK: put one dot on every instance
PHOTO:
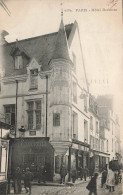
(110, 182)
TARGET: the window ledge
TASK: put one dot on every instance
(33, 89)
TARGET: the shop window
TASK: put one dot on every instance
(18, 62)
(34, 79)
(34, 114)
(10, 114)
(56, 119)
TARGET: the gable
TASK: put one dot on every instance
(76, 50)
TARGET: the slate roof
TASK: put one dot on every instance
(41, 48)
(61, 47)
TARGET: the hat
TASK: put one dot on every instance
(95, 174)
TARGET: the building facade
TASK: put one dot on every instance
(45, 98)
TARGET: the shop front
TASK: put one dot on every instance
(98, 160)
(32, 153)
(79, 156)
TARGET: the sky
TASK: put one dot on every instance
(100, 26)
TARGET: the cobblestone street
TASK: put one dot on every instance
(72, 190)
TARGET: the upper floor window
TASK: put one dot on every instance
(34, 114)
(18, 62)
(56, 119)
(97, 127)
(75, 124)
(34, 79)
(74, 92)
(107, 146)
(86, 130)
(10, 114)
(74, 61)
(85, 103)
(91, 122)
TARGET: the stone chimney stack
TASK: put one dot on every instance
(3, 34)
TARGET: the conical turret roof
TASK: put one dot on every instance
(61, 47)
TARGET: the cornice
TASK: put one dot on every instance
(13, 79)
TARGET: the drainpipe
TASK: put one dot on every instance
(46, 102)
(16, 108)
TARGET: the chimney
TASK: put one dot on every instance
(3, 33)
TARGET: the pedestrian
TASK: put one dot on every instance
(63, 173)
(28, 177)
(73, 174)
(44, 173)
(81, 172)
(104, 176)
(17, 181)
(110, 181)
(85, 172)
(92, 185)
(40, 173)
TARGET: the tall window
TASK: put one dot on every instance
(74, 92)
(91, 141)
(74, 61)
(107, 145)
(18, 62)
(91, 122)
(34, 114)
(97, 127)
(56, 119)
(75, 124)
(10, 114)
(34, 79)
(85, 103)
(86, 130)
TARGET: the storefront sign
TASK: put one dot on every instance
(76, 146)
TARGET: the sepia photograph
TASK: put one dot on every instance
(61, 97)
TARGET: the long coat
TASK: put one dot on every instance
(63, 171)
(92, 185)
(110, 181)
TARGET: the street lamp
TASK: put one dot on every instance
(22, 129)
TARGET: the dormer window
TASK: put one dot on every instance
(34, 79)
(18, 62)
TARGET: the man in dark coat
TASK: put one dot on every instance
(92, 186)
(73, 174)
(17, 181)
(28, 177)
(63, 173)
(85, 172)
(42, 173)
(104, 176)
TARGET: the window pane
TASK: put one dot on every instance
(34, 82)
(30, 105)
(38, 105)
(8, 118)
(30, 120)
(38, 120)
(74, 92)
(56, 119)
